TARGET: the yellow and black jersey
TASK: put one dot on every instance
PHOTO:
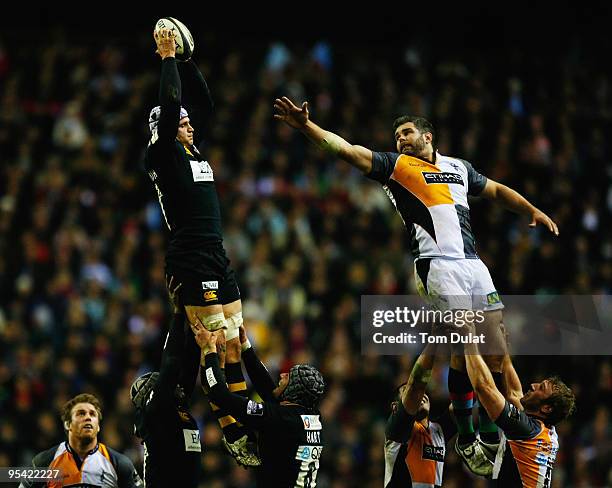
(414, 453)
(101, 468)
(534, 448)
(432, 200)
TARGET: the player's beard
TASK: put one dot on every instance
(417, 148)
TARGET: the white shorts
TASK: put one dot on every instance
(451, 284)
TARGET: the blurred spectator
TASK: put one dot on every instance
(82, 239)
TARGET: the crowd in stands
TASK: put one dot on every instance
(83, 304)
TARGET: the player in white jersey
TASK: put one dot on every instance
(430, 192)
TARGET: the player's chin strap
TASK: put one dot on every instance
(233, 323)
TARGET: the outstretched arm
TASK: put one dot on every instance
(298, 118)
(258, 373)
(196, 98)
(419, 377)
(482, 379)
(514, 201)
(169, 87)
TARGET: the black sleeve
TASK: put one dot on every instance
(516, 424)
(190, 362)
(250, 413)
(127, 476)
(476, 181)
(196, 98)
(449, 427)
(170, 364)
(169, 101)
(258, 373)
(383, 164)
(399, 424)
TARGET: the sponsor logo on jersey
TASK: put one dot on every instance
(311, 422)
(192, 440)
(210, 295)
(307, 453)
(493, 298)
(254, 408)
(201, 171)
(210, 285)
(210, 377)
(433, 453)
(435, 178)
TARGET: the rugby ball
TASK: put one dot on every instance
(184, 39)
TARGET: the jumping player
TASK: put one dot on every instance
(185, 186)
(430, 192)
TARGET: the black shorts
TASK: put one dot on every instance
(207, 279)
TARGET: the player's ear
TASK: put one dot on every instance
(546, 409)
(428, 137)
(66, 425)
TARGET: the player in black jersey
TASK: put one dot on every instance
(170, 434)
(185, 186)
(288, 421)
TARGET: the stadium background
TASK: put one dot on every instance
(526, 98)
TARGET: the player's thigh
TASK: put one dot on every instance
(484, 295)
(232, 308)
(443, 283)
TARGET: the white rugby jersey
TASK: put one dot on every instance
(432, 200)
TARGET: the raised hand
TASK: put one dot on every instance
(291, 114)
(539, 217)
(173, 293)
(204, 338)
(166, 43)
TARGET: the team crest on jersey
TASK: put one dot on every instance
(435, 178)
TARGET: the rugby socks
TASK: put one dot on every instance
(235, 379)
(232, 429)
(229, 425)
(487, 428)
(462, 398)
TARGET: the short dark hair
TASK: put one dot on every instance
(421, 123)
(81, 398)
(562, 400)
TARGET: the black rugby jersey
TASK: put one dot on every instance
(182, 177)
(290, 437)
(170, 434)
